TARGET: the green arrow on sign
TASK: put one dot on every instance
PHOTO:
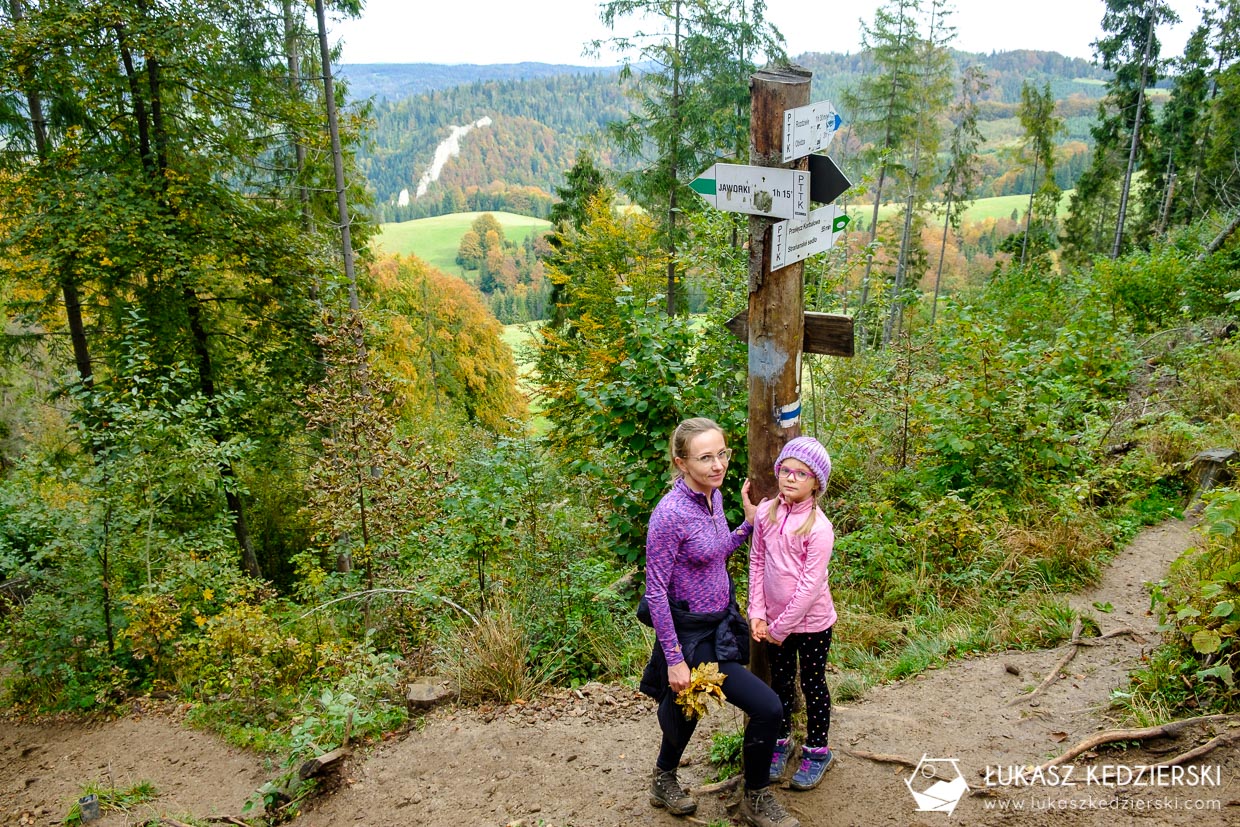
(703, 186)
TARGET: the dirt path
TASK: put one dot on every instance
(582, 758)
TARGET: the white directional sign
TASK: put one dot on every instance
(769, 191)
(809, 129)
(793, 241)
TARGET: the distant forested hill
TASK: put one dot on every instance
(394, 81)
(536, 128)
(541, 116)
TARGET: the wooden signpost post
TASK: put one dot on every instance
(781, 180)
(784, 129)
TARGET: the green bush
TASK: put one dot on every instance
(1198, 604)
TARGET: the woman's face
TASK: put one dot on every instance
(705, 462)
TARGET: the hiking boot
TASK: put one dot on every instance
(815, 761)
(779, 758)
(665, 791)
(760, 809)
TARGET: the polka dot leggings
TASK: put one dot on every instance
(813, 648)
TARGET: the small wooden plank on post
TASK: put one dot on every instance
(826, 334)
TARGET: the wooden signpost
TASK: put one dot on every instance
(784, 129)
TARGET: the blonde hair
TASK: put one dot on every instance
(772, 514)
(685, 433)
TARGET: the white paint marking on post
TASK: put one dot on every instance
(809, 129)
(793, 241)
(790, 415)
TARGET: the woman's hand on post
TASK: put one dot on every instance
(678, 676)
(750, 507)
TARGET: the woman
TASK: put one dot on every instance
(696, 620)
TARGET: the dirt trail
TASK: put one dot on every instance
(582, 757)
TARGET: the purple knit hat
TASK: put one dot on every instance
(809, 451)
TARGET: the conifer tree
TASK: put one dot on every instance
(692, 101)
(961, 178)
(1131, 51)
(884, 108)
(1042, 126)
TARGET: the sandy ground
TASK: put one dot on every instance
(583, 757)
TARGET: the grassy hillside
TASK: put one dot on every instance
(983, 208)
(435, 240)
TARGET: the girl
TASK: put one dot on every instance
(790, 601)
(696, 620)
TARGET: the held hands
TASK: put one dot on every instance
(678, 676)
(759, 630)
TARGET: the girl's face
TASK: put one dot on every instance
(796, 481)
(705, 462)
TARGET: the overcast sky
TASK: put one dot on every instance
(555, 31)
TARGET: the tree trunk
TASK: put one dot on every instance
(1135, 143)
(673, 170)
(333, 127)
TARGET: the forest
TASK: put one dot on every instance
(249, 462)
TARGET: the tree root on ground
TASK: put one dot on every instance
(1171, 728)
(1053, 675)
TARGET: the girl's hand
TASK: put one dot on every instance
(750, 507)
(757, 628)
(678, 676)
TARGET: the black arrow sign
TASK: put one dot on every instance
(826, 182)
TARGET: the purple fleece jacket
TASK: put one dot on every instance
(687, 546)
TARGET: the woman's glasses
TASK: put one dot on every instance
(710, 459)
(794, 474)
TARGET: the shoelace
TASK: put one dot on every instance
(764, 802)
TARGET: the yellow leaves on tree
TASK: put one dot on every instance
(705, 690)
(444, 344)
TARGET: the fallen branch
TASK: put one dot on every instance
(1124, 630)
(885, 758)
(371, 592)
(727, 785)
(881, 758)
(1196, 752)
(317, 765)
(1053, 675)
(1114, 735)
(229, 820)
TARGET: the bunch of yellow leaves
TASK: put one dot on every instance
(705, 688)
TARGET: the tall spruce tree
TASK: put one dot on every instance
(692, 98)
(963, 166)
(1131, 51)
(884, 109)
(1042, 127)
(1221, 161)
(1173, 166)
(919, 173)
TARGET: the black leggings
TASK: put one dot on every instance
(742, 689)
(813, 648)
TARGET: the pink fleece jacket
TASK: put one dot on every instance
(788, 585)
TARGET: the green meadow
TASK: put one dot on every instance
(980, 210)
(435, 240)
